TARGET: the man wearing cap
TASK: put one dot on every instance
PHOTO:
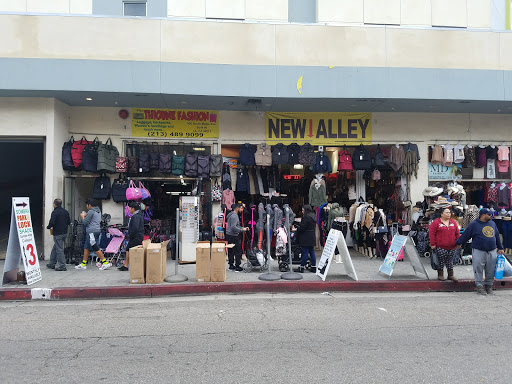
(485, 240)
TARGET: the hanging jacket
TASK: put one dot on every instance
(293, 153)
(307, 155)
(334, 212)
(247, 154)
(242, 180)
(322, 163)
(361, 159)
(279, 154)
(228, 198)
(317, 196)
(278, 217)
(263, 155)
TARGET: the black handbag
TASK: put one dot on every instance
(434, 260)
(101, 189)
(67, 160)
(119, 187)
(90, 156)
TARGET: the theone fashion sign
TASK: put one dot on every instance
(175, 123)
(318, 128)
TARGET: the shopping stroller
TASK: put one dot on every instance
(115, 251)
(255, 258)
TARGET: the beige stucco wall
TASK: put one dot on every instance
(187, 41)
(56, 121)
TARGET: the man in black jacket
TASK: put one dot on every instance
(135, 231)
(59, 222)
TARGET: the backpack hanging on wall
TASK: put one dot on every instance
(378, 158)
(101, 188)
(203, 166)
(144, 162)
(191, 164)
(107, 155)
(165, 163)
(119, 187)
(132, 161)
(345, 161)
(154, 157)
(77, 151)
(90, 156)
(67, 159)
(215, 165)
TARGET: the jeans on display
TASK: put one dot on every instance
(57, 255)
(305, 252)
(484, 261)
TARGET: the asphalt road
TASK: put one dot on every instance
(306, 338)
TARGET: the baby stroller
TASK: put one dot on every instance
(284, 260)
(114, 251)
(255, 258)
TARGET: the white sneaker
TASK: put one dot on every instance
(105, 266)
(81, 266)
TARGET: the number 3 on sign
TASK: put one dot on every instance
(30, 250)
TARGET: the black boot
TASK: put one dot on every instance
(300, 269)
(312, 269)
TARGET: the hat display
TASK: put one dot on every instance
(432, 191)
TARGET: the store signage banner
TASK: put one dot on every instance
(21, 245)
(318, 128)
(175, 123)
(442, 172)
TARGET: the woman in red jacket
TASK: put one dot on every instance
(443, 233)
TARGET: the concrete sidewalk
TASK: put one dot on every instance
(93, 283)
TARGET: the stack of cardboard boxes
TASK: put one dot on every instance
(211, 261)
(148, 263)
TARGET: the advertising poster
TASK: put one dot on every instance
(395, 249)
(175, 123)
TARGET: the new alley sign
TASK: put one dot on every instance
(318, 128)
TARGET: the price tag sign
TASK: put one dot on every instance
(21, 243)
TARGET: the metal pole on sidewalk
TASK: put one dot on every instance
(176, 278)
(289, 275)
(269, 276)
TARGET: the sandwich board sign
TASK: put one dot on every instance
(21, 245)
(402, 246)
(335, 239)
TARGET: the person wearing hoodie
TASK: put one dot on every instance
(232, 231)
(135, 231)
(91, 221)
(486, 243)
(307, 238)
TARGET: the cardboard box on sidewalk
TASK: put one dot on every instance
(203, 261)
(138, 263)
(156, 262)
(218, 261)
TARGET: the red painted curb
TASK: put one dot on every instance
(100, 292)
(15, 294)
(278, 286)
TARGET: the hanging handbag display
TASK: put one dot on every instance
(143, 190)
(90, 156)
(133, 192)
(101, 188)
(165, 162)
(121, 164)
(203, 166)
(107, 155)
(67, 159)
(119, 187)
(216, 192)
(77, 151)
(178, 165)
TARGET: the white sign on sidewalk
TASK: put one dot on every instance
(21, 245)
(335, 239)
(402, 245)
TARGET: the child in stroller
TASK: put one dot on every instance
(284, 260)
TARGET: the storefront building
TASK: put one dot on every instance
(335, 87)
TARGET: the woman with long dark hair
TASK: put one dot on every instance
(307, 238)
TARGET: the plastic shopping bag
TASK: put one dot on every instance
(500, 267)
(507, 271)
